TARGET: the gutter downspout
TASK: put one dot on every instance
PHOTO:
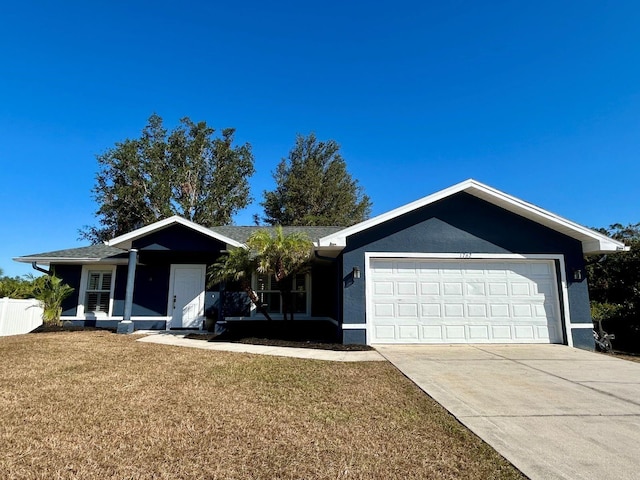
(35, 266)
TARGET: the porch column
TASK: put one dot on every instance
(126, 325)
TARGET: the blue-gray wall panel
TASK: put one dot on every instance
(113, 324)
(583, 338)
(354, 337)
(461, 223)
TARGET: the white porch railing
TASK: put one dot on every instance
(19, 316)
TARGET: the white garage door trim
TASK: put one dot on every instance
(563, 297)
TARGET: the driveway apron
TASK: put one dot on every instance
(553, 411)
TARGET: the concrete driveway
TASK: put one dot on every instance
(551, 410)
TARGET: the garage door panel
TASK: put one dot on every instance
(476, 288)
(384, 310)
(407, 288)
(452, 288)
(431, 310)
(478, 332)
(523, 332)
(498, 289)
(455, 310)
(385, 332)
(408, 310)
(501, 332)
(477, 310)
(382, 288)
(408, 332)
(432, 333)
(499, 310)
(451, 272)
(453, 301)
(455, 333)
(520, 289)
(381, 266)
(521, 311)
(429, 288)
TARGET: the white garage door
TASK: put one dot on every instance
(462, 301)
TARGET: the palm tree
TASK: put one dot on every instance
(282, 256)
(279, 255)
(237, 266)
(51, 292)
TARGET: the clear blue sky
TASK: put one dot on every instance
(538, 99)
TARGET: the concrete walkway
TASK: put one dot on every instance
(555, 412)
(308, 353)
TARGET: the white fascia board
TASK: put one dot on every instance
(124, 241)
(72, 260)
(588, 237)
(596, 247)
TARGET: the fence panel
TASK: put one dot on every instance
(19, 316)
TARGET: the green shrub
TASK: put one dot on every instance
(606, 311)
(51, 292)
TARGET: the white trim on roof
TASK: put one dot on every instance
(124, 241)
(592, 242)
(48, 260)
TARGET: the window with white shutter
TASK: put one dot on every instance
(98, 291)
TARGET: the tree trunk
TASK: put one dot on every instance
(255, 300)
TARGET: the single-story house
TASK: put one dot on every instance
(468, 264)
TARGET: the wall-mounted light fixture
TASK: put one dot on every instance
(356, 272)
(577, 274)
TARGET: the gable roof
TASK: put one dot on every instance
(92, 253)
(592, 242)
(115, 251)
(241, 234)
(124, 241)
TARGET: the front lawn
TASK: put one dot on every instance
(89, 405)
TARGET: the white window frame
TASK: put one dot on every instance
(84, 278)
(307, 289)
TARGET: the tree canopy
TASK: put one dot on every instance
(313, 187)
(187, 171)
(614, 280)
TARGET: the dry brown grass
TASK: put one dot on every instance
(631, 358)
(89, 405)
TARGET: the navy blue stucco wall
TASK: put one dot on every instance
(70, 274)
(461, 223)
(157, 252)
(178, 238)
(325, 289)
(151, 290)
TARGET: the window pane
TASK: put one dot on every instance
(92, 301)
(262, 282)
(103, 303)
(300, 302)
(106, 281)
(273, 301)
(299, 282)
(94, 281)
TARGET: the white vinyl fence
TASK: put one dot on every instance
(19, 316)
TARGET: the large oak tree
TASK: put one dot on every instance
(189, 172)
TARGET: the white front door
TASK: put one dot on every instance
(186, 296)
